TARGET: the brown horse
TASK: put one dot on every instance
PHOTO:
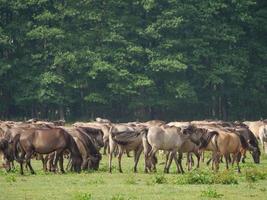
(221, 143)
(44, 141)
(87, 147)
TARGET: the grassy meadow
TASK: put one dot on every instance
(198, 184)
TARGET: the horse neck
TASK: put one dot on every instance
(91, 145)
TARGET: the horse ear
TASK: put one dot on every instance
(179, 129)
(8, 126)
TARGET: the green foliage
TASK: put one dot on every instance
(140, 59)
(11, 178)
(159, 179)
(117, 197)
(196, 177)
(131, 180)
(205, 177)
(211, 193)
(225, 177)
(253, 175)
(83, 196)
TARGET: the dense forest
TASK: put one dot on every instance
(133, 59)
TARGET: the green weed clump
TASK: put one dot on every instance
(204, 177)
(83, 196)
(211, 193)
(195, 177)
(10, 178)
(226, 178)
(159, 179)
(253, 175)
(131, 180)
(117, 197)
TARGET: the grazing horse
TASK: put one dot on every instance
(46, 141)
(87, 147)
(104, 128)
(164, 138)
(220, 142)
(252, 141)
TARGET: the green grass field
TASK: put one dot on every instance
(203, 184)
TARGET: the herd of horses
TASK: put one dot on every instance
(81, 143)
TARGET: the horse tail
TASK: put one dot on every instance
(243, 141)
(146, 145)
(216, 142)
(15, 148)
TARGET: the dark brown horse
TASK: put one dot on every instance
(45, 141)
(87, 147)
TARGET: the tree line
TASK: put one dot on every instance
(133, 59)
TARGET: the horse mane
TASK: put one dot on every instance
(243, 141)
(3, 144)
(124, 137)
(73, 146)
(206, 138)
(88, 142)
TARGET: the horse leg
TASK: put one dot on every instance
(169, 162)
(217, 161)
(57, 156)
(45, 163)
(180, 161)
(28, 161)
(112, 147)
(176, 162)
(190, 161)
(116, 151)
(202, 156)
(105, 149)
(23, 153)
(237, 161)
(119, 158)
(234, 159)
(244, 157)
(208, 162)
(128, 154)
(226, 161)
(168, 155)
(61, 160)
(198, 158)
(137, 157)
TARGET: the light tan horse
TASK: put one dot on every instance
(168, 138)
(263, 137)
(254, 126)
